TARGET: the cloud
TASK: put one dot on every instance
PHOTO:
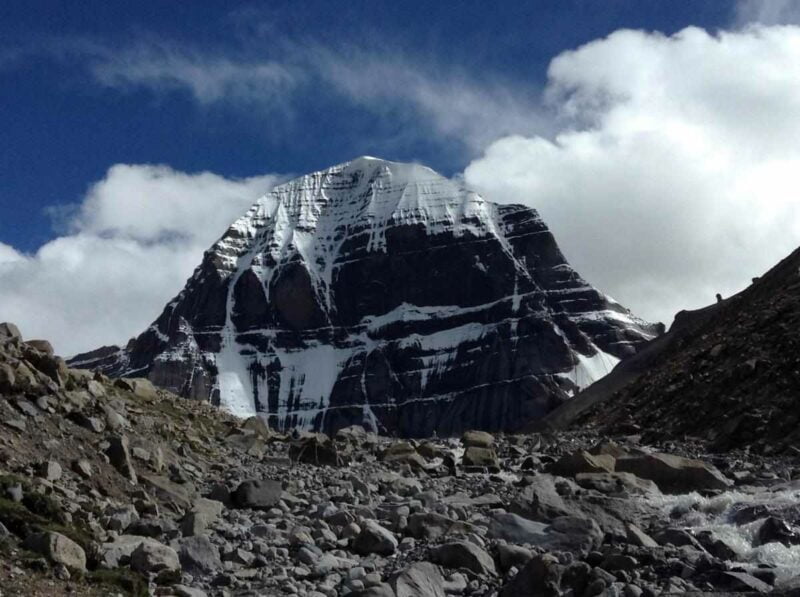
(133, 241)
(767, 12)
(274, 74)
(164, 67)
(679, 175)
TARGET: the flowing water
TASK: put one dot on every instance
(698, 513)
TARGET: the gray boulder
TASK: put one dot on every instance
(373, 538)
(258, 494)
(152, 556)
(421, 579)
(674, 474)
(463, 554)
(198, 555)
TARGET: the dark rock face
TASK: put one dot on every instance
(382, 294)
(732, 363)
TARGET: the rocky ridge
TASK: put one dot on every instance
(382, 294)
(113, 486)
(732, 377)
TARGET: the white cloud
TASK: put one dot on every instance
(137, 236)
(164, 67)
(9, 254)
(681, 175)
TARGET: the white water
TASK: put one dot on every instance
(714, 514)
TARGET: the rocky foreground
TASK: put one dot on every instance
(120, 488)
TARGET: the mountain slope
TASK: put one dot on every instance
(382, 293)
(730, 375)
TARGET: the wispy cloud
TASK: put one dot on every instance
(767, 12)
(261, 75)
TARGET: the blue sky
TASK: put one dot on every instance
(63, 128)
(657, 138)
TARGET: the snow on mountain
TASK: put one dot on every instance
(384, 294)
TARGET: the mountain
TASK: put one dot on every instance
(383, 294)
(728, 374)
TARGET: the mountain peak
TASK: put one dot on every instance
(384, 294)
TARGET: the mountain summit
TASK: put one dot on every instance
(383, 294)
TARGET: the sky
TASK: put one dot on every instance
(657, 139)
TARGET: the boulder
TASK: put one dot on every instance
(42, 346)
(152, 556)
(119, 455)
(775, 530)
(403, 453)
(637, 536)
(319, 450)
(512, 556)
(8, 331)
(481, 458)
(478, 439)
(463, 554)
(118, 552)
(59, 549)
(373, 538)
(616, 483)
(421, 579)
(50, 470)
(258, 494)
(570, 465)
(198, 555)
(428, 525)
(541, 577)
(673, 474)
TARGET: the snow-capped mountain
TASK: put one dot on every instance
(384, 294)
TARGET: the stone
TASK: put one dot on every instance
(118, 552)
(258, 494)
(50, 470)
(616, 483)
(463, 554)
(570, 465)
(118, 453)
(93, 424)
(8, 331)
(516, 529)
(478, 439)
(512, 556)
(403, 453)
(428, 525)
(198, 555)
(59, 549)
(775, 530)
(421, 579)
(319, 450)
(541, 577)
(741, 581)
(637, 536)
(258, 426)
(673, 474)
(8, 380)
(373, 538)
(481, 458)
(379, 590)
(42, 346)
(153, 556)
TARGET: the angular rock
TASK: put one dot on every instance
(421, 579)
(463, 554)
(198, 555)
(58, 549)
(478, 439)
(481, 457)
(570, 465)
(373, 538)
(153, 556)
(259, 494)
(8, 331)
(673, 474)
(118, 453)
(541, 577)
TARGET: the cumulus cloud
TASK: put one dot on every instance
(679, 176)
(133, 241)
